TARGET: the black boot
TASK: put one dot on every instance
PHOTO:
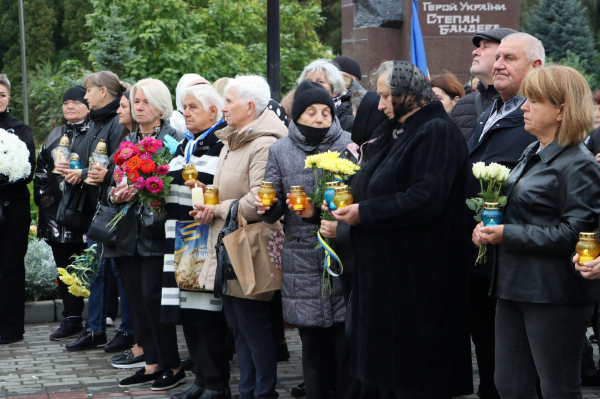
(222, 394)
(122, 341)
(70, 327)
(193, 393)
(89, 340)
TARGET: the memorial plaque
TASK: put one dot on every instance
(447, 27)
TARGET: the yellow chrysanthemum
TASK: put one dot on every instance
(346, 167)
(79, 291)
(67, 279)
(334, 155)
(312, 161)
(329, 164)
(62, 271)
(76, 280)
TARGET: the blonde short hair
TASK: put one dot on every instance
(157, 94)
(220, 85)
(207, 96)
(560, 85)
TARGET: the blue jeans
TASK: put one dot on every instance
(98, 300)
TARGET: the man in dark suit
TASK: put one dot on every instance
(499, 137)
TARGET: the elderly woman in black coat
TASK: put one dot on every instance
(543, 306)
(409, 301)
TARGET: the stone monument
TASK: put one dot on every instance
(377, 30)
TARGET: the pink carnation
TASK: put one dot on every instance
(118, 175)
(162, 170)
(154, 185)
(140, 183)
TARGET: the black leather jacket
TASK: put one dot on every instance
(140, 231)
(47, 188)
(553, 195)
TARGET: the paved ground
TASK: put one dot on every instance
(37, 368)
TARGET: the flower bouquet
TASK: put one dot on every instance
(81, 273)
(145, 165)
(327, 167)
(495, 175)
(14, 158)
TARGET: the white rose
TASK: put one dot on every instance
(494, 171)
(478, 169)
(505, 172)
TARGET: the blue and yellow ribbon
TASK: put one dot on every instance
(330, 253)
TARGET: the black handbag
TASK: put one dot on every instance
(70, 210)
(98, 231)
(224, 267)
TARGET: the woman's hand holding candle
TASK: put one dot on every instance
(96, 174)
(309, 208)
(260, 207)
(348, 214)
(197, 196)
(203, 214)
(589, 270)
(63, 165)
(195, 183)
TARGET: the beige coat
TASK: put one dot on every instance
(240, 169)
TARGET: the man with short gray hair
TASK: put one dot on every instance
(500, 137)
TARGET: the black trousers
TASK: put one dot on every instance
(405, 395)
(13, 247)
(249, 321)
(276, 317)
(482, 324)
(319, 345)
(113, 298)
(142, 280)
(208, 351)
(72, 305)
(540, 339)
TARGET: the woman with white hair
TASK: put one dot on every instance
(251, 129)
(201, 315)
(141, 236)
(325, 73)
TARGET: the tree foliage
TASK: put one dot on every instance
(214, 38)
(563, 26)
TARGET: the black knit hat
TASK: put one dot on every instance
(76, 93)
(493, 35)
(348, 65)
(308, 93)
(368, 118)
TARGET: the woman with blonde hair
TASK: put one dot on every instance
(543, 306)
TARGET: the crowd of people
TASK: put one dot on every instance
(399, 321)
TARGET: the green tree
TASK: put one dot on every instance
(330, 32)
(74, 31)
(574, 61)
(112, 48)
(563, 26)
(214, 38)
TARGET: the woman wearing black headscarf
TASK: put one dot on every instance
(409, 302)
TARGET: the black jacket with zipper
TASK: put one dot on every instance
(553, 195)
(503, 143)
(464, 113)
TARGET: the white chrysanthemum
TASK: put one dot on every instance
(14, 157)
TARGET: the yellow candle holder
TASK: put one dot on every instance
(298, 198)
(189, 172)
(266, 192)
(211, 196)
(587, 247)
(342, 197)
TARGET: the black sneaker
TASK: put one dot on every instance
(169, 380)
(139, 378)
(10, 339)
(121, 341)
(221, 394)
(128, 361)
(70, 327)
(89, 340)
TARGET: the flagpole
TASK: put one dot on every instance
(23, 62)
